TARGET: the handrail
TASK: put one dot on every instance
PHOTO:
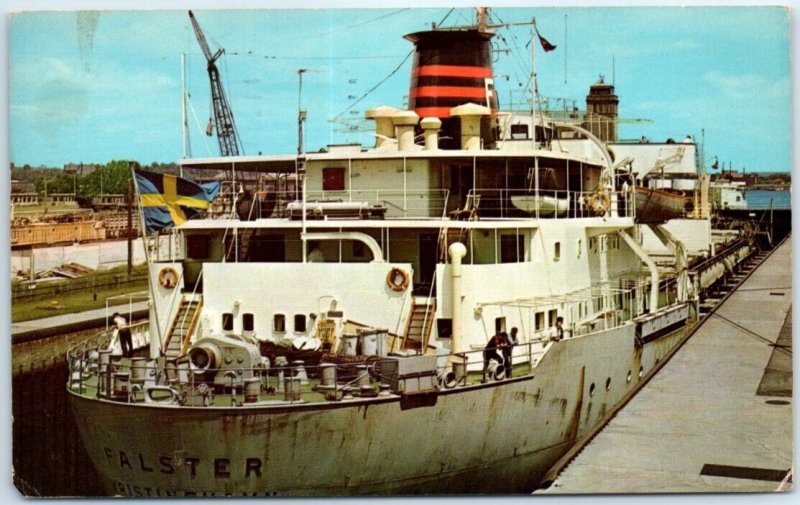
(88, 375)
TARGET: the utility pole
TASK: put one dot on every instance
(301, 112)
(130, 228)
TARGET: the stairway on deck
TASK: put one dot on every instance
(420, 323)
(181, 327)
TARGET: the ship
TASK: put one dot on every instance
(325, 335)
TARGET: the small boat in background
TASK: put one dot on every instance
(545, 205)
(658, 205)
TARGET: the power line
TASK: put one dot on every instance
(274, 57)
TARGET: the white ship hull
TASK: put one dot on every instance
(499, 437)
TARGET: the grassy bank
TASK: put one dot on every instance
(77, 300)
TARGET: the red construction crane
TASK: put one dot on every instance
(229, 144)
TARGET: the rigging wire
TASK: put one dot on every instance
(302, 58)
(385, 78)
(362, 23)
(398, 67)
(197, 122)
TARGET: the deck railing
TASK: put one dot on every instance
(98, 371)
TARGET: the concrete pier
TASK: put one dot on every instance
(718, 417)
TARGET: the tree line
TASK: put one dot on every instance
(110, 178)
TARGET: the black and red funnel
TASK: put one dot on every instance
(451, 68)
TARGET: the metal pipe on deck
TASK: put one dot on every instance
(457, 251)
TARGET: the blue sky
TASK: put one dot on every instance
(89, 87)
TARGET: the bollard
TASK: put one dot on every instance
(328, 371)
(460, 371)
(104, 373)
(252, 388)
(138, 370)
(363, 375)
(300, 372)
(292, 389)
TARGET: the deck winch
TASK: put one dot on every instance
(218, 356)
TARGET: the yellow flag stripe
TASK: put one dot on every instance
(172, 200)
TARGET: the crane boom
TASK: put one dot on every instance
(229, 144)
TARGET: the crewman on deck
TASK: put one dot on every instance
(124, 334)
(498, 342)
(508, 350)
(558, 331)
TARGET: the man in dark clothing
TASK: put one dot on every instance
(558, 330)
(124, 333)
(511, 342)
(498, 341)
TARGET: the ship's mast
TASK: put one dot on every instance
(482, 16)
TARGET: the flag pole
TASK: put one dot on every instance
(534, 85)
(155, 347)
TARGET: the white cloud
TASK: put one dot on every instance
(747, 86)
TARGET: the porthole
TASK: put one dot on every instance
(628, 379)
(608, 383)
(591, 389)
(641, 371)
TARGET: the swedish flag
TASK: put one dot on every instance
(166, 200)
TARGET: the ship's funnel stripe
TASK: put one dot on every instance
(440, 112)
(439, 80)
(443, 101)
(451, 71)
(448, 92)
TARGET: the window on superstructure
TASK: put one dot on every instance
(358, 249)
(539, 321)
(333, 179)
(499, 324)
(557, 251)
(551, 317)
(198, 247)
(248, 322)
(227, 321)
(519, 132)
(580, 243)
(269, 248)
(279, 323)
(512, 248)
(300, 323)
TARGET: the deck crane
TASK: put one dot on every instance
(229, 144)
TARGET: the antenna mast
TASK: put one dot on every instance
(229, 144)
(482, 17)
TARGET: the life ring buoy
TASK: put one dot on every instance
(599, 203)
(168, 277)
(397, 280)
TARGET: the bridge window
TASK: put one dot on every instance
(333, 179)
